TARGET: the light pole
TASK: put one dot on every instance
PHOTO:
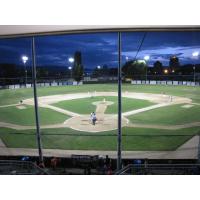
(146, 58)
(195, 56)
(37, 120)
(194, 74)
(71, 60)
(119, 134)
(70, 68)
(24, 60)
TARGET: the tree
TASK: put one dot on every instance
(157, 67)
(132, 68)
(174, 63)
(77, 70)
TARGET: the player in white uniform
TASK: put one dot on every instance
(93, 118)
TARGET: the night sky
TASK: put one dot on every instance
(101, 48)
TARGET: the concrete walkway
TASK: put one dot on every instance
(2, 144)
(187, 150)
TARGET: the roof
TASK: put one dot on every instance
(29, 30)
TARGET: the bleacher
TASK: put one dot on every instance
(13, 167)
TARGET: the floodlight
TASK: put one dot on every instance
(195, 54)
(71, 60)
(146, 57)
(24, 59)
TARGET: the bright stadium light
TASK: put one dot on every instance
(24, 59)
(146, 57)
(195, 54)
(71, 60)
(166, 71)
(98, 67)
(127, 58)
(69, 68)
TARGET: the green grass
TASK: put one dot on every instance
(85, 106)
(170, 115)
(133, 139)
(27, 116)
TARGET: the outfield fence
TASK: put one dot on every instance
(41, 84)
(156, 82)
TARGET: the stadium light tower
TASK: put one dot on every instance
(24, 60)
(70, 68)
(98, 67)
(71, 60)
(146, 58)
(195, 55)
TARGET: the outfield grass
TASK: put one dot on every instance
(27, 116)
(85, 106)
(169, 115)
(133, 139)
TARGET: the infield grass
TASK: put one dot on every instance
(85, 106)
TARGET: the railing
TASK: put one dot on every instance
(14, 167)
(160, 169)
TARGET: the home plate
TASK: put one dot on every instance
(21, 107)
(187, 106)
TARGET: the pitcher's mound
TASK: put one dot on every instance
(104, 123)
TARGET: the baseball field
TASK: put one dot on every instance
(154, 117)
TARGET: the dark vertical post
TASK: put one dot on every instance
(198, 156)
(119, 162)
(36, 102)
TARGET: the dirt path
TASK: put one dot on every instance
(166, 127)
(60, 110)
(133, 112)
(101, 106)
(10, 105)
